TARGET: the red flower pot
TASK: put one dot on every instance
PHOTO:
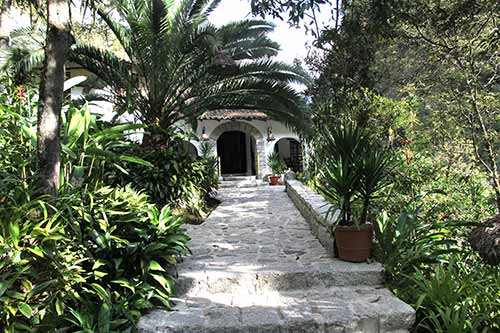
(353, 243)
(274, 180)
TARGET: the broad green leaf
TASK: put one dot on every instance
(3, 287)
(165, 283)
(124, 283)
(25, 309)
(155, 266)
(136, 160)
(77, 126)
(30, 133)
(59, 306)
(98, 264)
(14, 232)
(36, 251)
(100, 274)
(103, 294)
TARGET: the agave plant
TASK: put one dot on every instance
(276, 164)
(352, 169)
(178, 65)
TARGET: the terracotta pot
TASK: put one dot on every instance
(354, 244)
(274, 180)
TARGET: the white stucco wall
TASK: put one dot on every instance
(279, 131)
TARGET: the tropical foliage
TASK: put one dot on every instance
(93, 258)
(421, 79)
(175, 178)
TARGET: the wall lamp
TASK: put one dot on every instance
(270, 135)
(204, 135)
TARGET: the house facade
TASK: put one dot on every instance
(244, 139)
(241, 139)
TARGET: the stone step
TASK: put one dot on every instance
(197, 277)
(241, 183)
(238, 178)
(339, 309)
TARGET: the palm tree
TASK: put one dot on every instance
(178, 65)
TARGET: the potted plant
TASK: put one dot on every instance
(277, 166)
(352, 171)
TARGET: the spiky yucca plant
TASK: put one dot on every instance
(178, 65)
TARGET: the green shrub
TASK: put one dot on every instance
(209, 158)
(407, 243)
(93, 260)
(175, 178)
(94, 257)
(276, 164)
(429, 265)
(460, 296)
(134, 249)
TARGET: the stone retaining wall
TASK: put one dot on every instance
(314, 209)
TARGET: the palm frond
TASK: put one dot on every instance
(268, 69)
(173, 73)
(121, 32)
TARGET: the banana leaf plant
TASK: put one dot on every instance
(89, 146)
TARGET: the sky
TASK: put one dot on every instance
(292, 40)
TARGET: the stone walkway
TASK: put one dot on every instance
(256, 267)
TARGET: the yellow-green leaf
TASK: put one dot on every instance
(36, 251)
(25, 309)
(155, 266)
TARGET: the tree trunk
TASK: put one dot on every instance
(4, 29)
(58, 41)
(492, 157)
(486, 240)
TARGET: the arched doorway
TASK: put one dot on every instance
(236, 150)
(290, 150)
(253, 153)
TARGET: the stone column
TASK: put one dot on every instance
(262, 159)
(248, 149)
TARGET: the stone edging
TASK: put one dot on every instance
(314, 209)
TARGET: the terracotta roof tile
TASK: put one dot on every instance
(234, 115)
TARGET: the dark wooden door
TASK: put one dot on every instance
(231, 148)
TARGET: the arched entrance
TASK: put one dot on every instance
(290, 150)
(236, 151)
(240, 147)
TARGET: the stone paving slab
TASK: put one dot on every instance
(256, 267)
(241, 182)
(257, 238)
(346, 309)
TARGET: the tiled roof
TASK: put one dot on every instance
(234, 115)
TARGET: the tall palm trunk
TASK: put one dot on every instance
(57, 45)
(4, 31)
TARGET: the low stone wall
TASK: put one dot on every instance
(314, 209)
